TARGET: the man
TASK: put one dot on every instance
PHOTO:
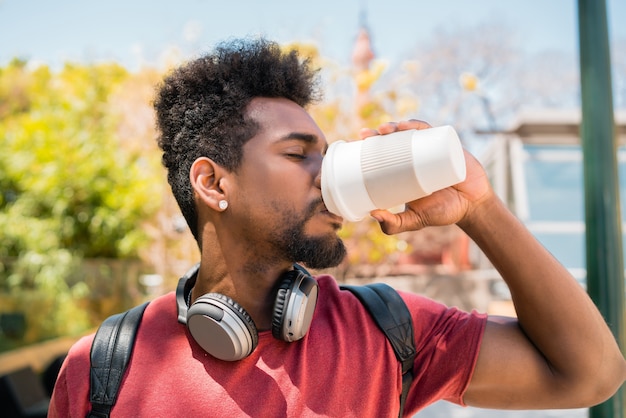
(244, 159)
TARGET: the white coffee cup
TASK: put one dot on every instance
(384, 171)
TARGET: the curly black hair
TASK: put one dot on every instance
(201, 107)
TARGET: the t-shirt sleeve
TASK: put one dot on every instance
(70, 397)
(59, 403)
(447, 342)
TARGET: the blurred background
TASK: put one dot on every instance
(87, 224)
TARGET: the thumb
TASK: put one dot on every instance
(389, 223)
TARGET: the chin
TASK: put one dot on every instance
(320, 253)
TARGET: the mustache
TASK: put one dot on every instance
(313, 207)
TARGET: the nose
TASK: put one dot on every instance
(318, 178)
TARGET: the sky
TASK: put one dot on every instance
(140, 32)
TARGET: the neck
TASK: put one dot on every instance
(229, 269)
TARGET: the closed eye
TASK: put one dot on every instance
(297, 156)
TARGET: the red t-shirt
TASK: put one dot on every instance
(343, 367)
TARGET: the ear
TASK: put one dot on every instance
(206, 178)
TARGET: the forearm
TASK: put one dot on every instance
(553, 310)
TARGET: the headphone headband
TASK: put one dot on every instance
(185, 284)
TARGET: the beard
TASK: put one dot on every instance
(315, 252)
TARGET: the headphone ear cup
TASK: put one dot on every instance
(294, 306)
(222, 327)
(278, 316)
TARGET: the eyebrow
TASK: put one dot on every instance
(300, 136)
(304, 137)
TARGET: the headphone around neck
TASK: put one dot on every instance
(226, 331)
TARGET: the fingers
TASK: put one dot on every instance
(367, 132)
(413, 124)
(385, 220)
(391, 223)
(385, 128)
(389, 127)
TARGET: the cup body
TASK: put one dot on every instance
(384, 171)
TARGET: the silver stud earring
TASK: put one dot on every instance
(223, 204)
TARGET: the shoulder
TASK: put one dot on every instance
(71, 393)
(160, 311)
(343, 310)
(422, 308)
(77, 363)
(435, 325)
(337, 300)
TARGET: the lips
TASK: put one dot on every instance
(326, 212)
(321, 208)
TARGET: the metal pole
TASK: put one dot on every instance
(605, 269)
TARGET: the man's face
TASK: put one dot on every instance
(281, 212)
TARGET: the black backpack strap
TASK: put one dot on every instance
(393, 317)
(110, 352)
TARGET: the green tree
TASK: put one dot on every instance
(69, 188)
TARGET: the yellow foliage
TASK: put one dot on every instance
(407, 106)
(305, 50)
(469, 81)
(365, 79)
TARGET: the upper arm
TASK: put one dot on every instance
(59, 402)
(511, 373)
